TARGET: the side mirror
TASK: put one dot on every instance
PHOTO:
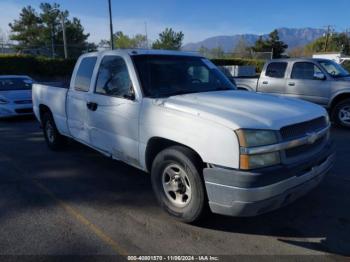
(319, 76)
(131, 93)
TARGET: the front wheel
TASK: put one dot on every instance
(341, 113)
(53, 138)
(177, 183)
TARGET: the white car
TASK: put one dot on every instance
(15, 96)
(176, 116)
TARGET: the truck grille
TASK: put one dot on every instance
(305, 149)
(301, 129)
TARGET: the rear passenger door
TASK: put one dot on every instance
(113, 122)
(273, 79)
(77, 99)
(303, 84)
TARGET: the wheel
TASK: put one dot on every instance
(53, 138)
(341, 113)
(178, 185)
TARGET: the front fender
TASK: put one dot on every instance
(214, 143)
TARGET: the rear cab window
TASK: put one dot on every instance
(84, 74)
(276, 69)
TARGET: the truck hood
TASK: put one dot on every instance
(15, 95)
(242, 109)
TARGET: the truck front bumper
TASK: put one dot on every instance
(239, 193)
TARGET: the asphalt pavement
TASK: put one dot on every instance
(78, 202)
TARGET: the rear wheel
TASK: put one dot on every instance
(54, 139)
(341, 113)
(177, 183)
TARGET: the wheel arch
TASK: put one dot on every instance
(158, 144)
(339, 97)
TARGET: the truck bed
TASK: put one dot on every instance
(44, 95)
(247, 83)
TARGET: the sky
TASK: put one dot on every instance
(197, 19)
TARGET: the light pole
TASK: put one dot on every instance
(64, 36)
(63, 18)
(111, 23)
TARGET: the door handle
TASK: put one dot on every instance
(291, 84)
(265, 82)
(92, 106)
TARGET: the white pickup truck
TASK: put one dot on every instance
(205, 144)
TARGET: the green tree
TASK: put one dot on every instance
(278, 47)
(217, 52)
(272, 44)
(124, 41)
(36, 30)
(27, 29)
(169, 39)
(337, 42)
(241, 49)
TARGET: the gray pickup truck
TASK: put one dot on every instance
(320, 81)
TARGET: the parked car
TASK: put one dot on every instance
(320, 81)
(176, 116)
(15, 96)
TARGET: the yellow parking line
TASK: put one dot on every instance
(74, 213)
(81, 219)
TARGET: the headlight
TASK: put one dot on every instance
(3, 101)
(254, 138)
(259, 161)
(251, 137)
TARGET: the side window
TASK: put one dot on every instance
(84, 74)
(304, 70)
(113, 77)
(276, 69)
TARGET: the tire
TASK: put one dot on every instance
(341, 113)
(53, 138)
(178, 184)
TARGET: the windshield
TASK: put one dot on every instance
(7, 84)
(169, 75)
(333, 68)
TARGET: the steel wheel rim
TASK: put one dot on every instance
(50, 132)
(176, 185)
(344, 114)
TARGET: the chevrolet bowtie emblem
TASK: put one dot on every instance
(311, 137)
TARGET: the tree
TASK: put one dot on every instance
(124, 41)
(169, 39)
(337, 42)
(35, 31)
(27, 29)
(241, 49)
(272, 44)
(278, 47)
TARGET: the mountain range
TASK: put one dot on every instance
(294, 37)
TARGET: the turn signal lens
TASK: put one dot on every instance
(258, 161)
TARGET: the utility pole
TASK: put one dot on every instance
(111, 23)
(53, 40)
(63, 18)
(328, 34)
